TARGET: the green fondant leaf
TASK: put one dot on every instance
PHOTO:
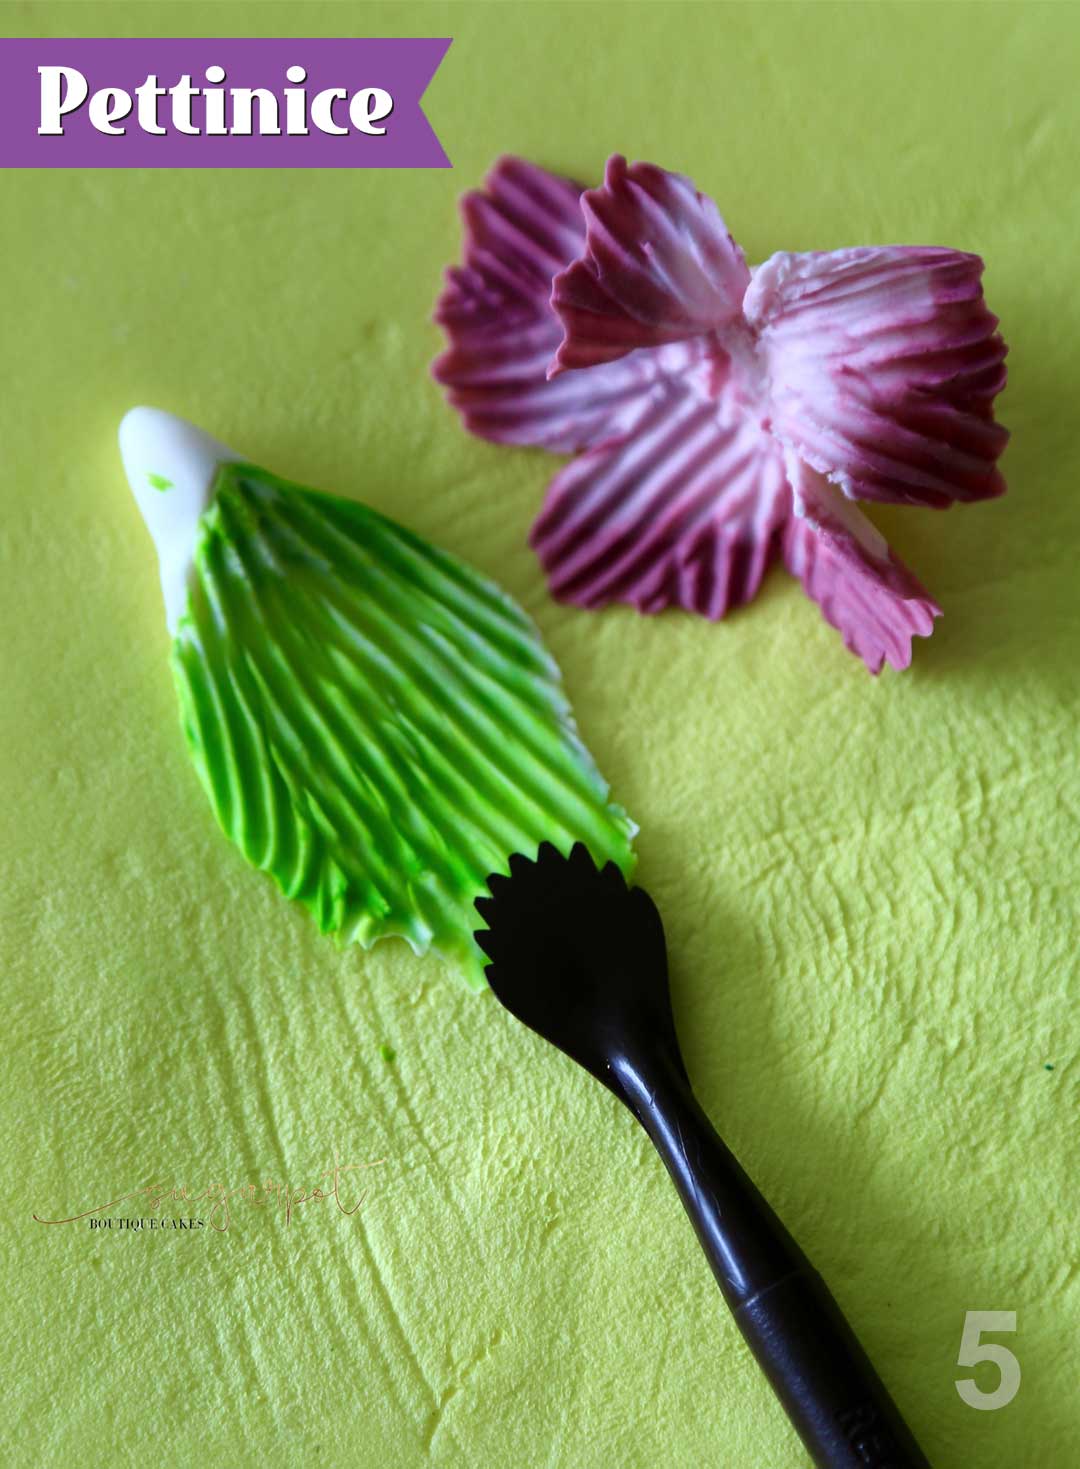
(376, 725)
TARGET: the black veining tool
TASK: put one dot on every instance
(581, 959)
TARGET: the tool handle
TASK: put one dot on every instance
(825, 1381)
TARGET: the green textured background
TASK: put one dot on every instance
(870, 887)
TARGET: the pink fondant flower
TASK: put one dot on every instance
(724, 415)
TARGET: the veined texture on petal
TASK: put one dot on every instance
(846, 566)
(375, 724)
(686, 511)
(883, 365)
(659, 266)
(495, 308)
(711, 399)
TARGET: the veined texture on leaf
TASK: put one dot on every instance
(376, 725)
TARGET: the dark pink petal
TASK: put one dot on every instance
(495, 310)
(658, 266)
(687, 511)
(884, 364)
(845, 565)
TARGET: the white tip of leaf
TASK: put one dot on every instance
(171, 466)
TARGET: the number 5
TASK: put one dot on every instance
(973, 1349)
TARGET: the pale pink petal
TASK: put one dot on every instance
(659, 266)
(687, 511)
(883, 365)
(502, 332)
(845, 565)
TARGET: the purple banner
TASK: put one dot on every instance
(326, 103)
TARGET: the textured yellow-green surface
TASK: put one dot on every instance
(870, 887)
